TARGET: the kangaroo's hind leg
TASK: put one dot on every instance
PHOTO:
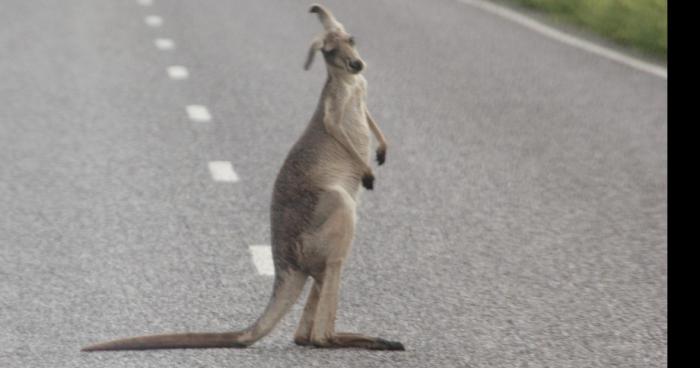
(323, 332)
(303, 334)
(335, 235)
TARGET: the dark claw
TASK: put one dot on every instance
(368, 181)
(381, 156)
(391, 345)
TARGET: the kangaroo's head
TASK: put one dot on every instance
(337, 46)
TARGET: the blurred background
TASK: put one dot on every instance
(642, 24)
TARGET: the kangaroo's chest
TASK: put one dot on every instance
(354, 121)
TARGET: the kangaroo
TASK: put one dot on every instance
(313, 211)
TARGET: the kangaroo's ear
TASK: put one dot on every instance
(326, 17)
(316, 45)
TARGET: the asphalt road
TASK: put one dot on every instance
(520, 220)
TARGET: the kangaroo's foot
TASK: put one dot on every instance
(302, 341)
(352, 340)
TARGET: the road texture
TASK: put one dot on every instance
(520, 219)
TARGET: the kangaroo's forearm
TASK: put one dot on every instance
(376, 131)
(381, 150)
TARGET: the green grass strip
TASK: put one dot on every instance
(639, 23)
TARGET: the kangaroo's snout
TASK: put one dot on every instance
(356, 65)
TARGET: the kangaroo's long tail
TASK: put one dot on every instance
(172, 341)
(286, 291)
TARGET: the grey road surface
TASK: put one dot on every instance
(520, 219)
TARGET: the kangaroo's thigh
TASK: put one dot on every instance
(334, 228)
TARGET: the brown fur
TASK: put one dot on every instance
(312, 214)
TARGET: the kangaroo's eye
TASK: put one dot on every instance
(351, 41)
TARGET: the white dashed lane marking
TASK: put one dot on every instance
(164, 44)
(178, 72)
(198, 113)
(262, 258)
(223, 171)
(153, 21)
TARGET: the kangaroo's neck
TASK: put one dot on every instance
(339, 78)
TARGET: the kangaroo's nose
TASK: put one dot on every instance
(356, 65)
